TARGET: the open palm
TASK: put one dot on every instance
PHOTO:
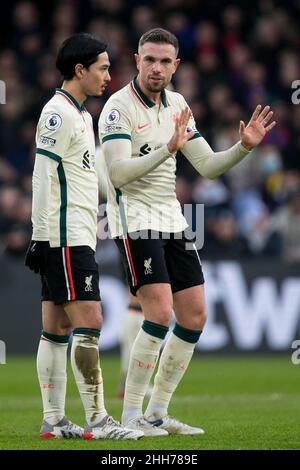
(180, 136)
(256, 129)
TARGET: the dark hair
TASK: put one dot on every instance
(81, 48)
(160, 36)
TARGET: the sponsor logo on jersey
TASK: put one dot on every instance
(113, 117)
(53, 122)
(86, 160)
(47, 140)
(144, 150)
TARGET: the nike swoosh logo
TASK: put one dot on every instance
(142, 126)
(157, 422)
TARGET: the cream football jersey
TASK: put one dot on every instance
(65, 134)
(149, 202)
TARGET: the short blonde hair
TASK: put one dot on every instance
(159, 36)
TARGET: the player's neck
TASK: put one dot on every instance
(155, 97)
(72, 88)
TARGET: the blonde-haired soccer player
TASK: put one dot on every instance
(142, 126)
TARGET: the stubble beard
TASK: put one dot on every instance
(157, 88)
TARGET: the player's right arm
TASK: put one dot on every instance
(44, 168)
(117, 148)
(52, 138)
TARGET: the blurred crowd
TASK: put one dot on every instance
(234, 56)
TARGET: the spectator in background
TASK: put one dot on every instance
(285, 223)
(223, 240)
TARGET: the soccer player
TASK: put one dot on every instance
(64, 217)
(142, 126)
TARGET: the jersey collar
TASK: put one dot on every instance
(60, 91)
(146, 102)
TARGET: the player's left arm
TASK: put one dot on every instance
(212, 164)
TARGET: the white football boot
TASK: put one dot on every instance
(109, 428)
(64, 429)
(174, 426)
(149, 429)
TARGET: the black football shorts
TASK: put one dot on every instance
(162, 258)
(71, 274)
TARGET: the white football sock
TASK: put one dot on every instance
(132, 323)
(173, 363)
(144, 355)
(87, 373)
(52, 374)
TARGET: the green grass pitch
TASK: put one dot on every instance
(242, 403)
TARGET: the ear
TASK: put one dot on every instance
(79, 71)
(137, 58)
(176, 63)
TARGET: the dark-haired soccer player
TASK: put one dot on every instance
(141, 127)
(64, 215)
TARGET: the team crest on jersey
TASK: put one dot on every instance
(113, 117)
(53, 122)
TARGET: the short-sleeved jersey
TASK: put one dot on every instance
(149, 202)
(65, 134)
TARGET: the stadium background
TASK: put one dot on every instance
(234, 55)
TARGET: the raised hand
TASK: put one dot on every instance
(180, 136)
(252, 134)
